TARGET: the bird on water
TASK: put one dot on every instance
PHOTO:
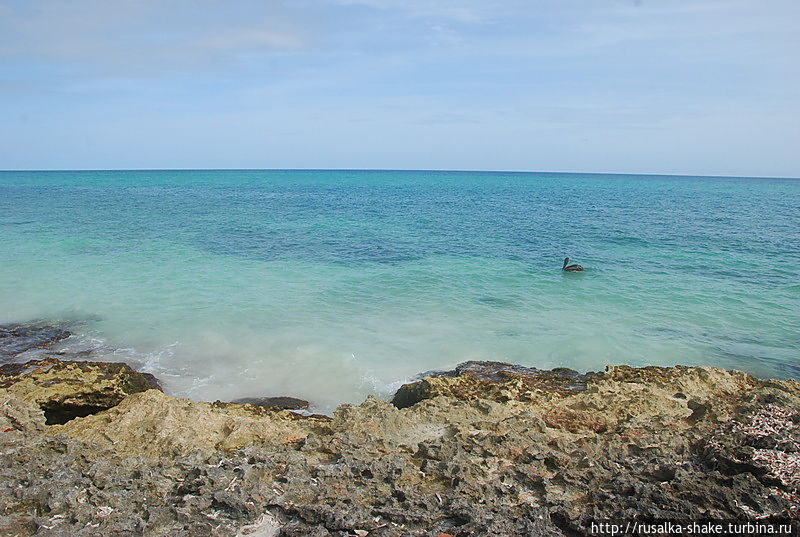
(571, 268)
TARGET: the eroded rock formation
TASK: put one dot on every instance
(17, 338)
(66, 390)
(488, 449)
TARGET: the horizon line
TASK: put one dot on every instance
(441, 170)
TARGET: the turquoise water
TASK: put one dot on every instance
(332, 285)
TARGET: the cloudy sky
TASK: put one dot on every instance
(651, 86)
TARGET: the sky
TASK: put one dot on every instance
(629, 86)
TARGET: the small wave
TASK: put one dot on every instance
(88, 345)
(381, 388)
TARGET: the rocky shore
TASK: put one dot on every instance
(96, 449)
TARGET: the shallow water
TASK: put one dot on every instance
(331, 285)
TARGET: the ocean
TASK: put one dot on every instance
(335, 285)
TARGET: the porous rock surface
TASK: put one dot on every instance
(155, 425)
(18, 338)
(67, 389)
(497, 381)
(513, 457)
(284, 402)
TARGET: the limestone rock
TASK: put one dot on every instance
(520, 458)
(493, 380)
(574, 420)
(18, 338)
(65, 390)
(17, 414)
(282, 402)
(153, 424)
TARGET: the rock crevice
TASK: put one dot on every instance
(485, 449)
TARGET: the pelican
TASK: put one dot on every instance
(571, 268)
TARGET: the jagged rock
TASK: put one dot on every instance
(17, 414)
(630, 442)
(153, 424)
(574, 421)
(283, 402)
(65, 390)
(498, 381)
(762, 440)
(17, 526)
(18, 338)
